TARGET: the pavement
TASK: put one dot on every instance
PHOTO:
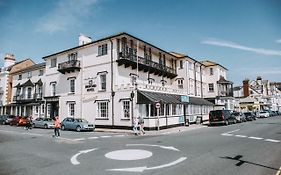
(156, 132)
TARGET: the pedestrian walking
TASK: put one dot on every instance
(29, 123)
(57, 127)
(141, 125)
(135, 126)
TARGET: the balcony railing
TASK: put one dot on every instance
(145, 64)
(28, 97)
(69, 66)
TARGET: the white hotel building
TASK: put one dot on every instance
(108, 81)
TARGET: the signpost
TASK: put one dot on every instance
(158, 106)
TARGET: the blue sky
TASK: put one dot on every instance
(243, 36)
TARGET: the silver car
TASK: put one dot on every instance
(77, 124)
(43, 123)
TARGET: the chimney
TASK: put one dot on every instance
(84, 39)
(9, 60)
(246, 88)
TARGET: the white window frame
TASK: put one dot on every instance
(53, 88)
(71, 109)
(211, 71)
(41, 72)
(102, 49)
(53, 62)
(211, 89)
(102, 109)
(72, 85)
(126, 109)
(29, 74)
(103, 82)
(180, 83)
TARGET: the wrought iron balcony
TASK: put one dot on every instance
(69, 66)
(145, 64)
(28, 97)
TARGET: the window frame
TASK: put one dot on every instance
(53, 63)
(71, 109)
(102, 49)
(72, 85)
(126, 109)
(102, 110)
(211, 89)
(102, 82)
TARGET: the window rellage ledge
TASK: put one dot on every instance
(105, 100)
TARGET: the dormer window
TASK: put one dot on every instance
(29, 74)
(20, 77)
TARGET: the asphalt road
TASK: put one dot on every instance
(251, 148)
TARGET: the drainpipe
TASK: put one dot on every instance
(201, 79)
(112, 90)
(195, 87)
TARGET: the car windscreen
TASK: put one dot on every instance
(215, 114)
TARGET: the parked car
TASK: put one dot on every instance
(249, 116)
(19, 121)
(221, 117)
(239, 116)
(77, 124)
(43, 123)
(264, 114)
(6, 119)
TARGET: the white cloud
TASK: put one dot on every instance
(66, 14)
(222, 43)
(278, 41)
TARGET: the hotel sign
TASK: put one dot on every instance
(90, 86)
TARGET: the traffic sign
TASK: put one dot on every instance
(157, 105)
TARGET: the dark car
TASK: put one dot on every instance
(77, 124)
(250, 116)
(221, 117)
(6, 119)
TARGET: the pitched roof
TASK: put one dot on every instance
(107, 38)
(208, 63)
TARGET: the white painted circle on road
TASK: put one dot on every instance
(128, 154)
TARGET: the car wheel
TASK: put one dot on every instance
(62, 127)
(3, 122)
(46, 126)
(234, 121)
(226, 122)
(17, 124)
(33, 125)
(78, 128)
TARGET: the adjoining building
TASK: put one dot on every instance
(6, 80)
(28, 90)
(219, 90)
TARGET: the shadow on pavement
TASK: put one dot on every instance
(241, 162)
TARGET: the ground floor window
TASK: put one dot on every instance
(126, 109)
(102, 109)
(71, 109)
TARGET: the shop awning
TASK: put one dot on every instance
(145, 97)
(199, 101)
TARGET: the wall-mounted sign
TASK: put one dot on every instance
(90, 86)
(184, 98)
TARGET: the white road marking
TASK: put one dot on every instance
(160, 146)
(119, 136)
(272, 140)
(79, 139)
(256, 138)
(93, 138)
(128, 154)
(241, 136)
(105, 136)
(228, 133)
(141, 169)
(74, 160)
